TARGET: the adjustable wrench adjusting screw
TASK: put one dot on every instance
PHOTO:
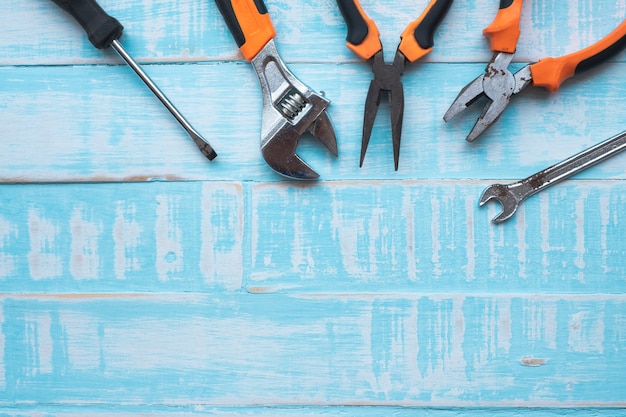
(292, 104)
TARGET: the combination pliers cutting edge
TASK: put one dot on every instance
(416, 41)
(498, 84)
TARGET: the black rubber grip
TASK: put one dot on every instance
(425, 32)
(505, 3)
(605, 55)
(228, 13)
(357, 26)
(101, 28)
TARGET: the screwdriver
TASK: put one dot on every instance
(104, 31)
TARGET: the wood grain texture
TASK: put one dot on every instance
(274, 349)
(138, 278)
(120, 238)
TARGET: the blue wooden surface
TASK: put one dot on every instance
(137, 278)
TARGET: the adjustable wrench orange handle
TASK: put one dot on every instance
(504, 31)
(417, 38)
(249, 23)
(551, 72)
(363, 37)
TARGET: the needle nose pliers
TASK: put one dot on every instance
(416, 42)
(498, 84)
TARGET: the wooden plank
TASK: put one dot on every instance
(39, 33)
(101, 124)
(326, 411)
(421, 237)
(426, 237)
(121, 237)
(243, 350)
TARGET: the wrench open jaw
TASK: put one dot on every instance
(507, 198)
(290, 109)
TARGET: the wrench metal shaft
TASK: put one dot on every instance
(575, 164)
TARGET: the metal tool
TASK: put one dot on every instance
(511, 195)
(416, 41)
(290, 108)
(498, 84)
(104, 31)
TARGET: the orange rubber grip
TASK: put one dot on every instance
(363, 37)
(504, 31)
(417, 37)
(249, 23)
(551, 72)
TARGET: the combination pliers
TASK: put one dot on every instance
(498, 84)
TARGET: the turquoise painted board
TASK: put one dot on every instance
(428, 351)
(138, 278)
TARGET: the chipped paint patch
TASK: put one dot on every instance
(532, 361)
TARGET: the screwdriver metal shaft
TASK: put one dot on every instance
(202, 143)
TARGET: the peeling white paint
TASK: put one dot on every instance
(85, 255)
(39, 341)
(126, 239)
(435, 236)
(579, 246)
(586, 332)
(44, 260)
(168, 235)
(470, 266)
(8, 261)
(222, 265)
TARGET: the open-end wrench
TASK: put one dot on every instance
(290, 108)
(511, 195)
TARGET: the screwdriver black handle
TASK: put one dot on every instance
(101, 28)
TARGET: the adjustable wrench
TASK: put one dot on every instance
(290, 108)
(511, 195)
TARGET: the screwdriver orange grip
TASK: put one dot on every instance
(417, 37)
(504, 31)
(551, 72)
(249, 23)
(363, 37)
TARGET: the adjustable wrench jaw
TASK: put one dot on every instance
(290, 109)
